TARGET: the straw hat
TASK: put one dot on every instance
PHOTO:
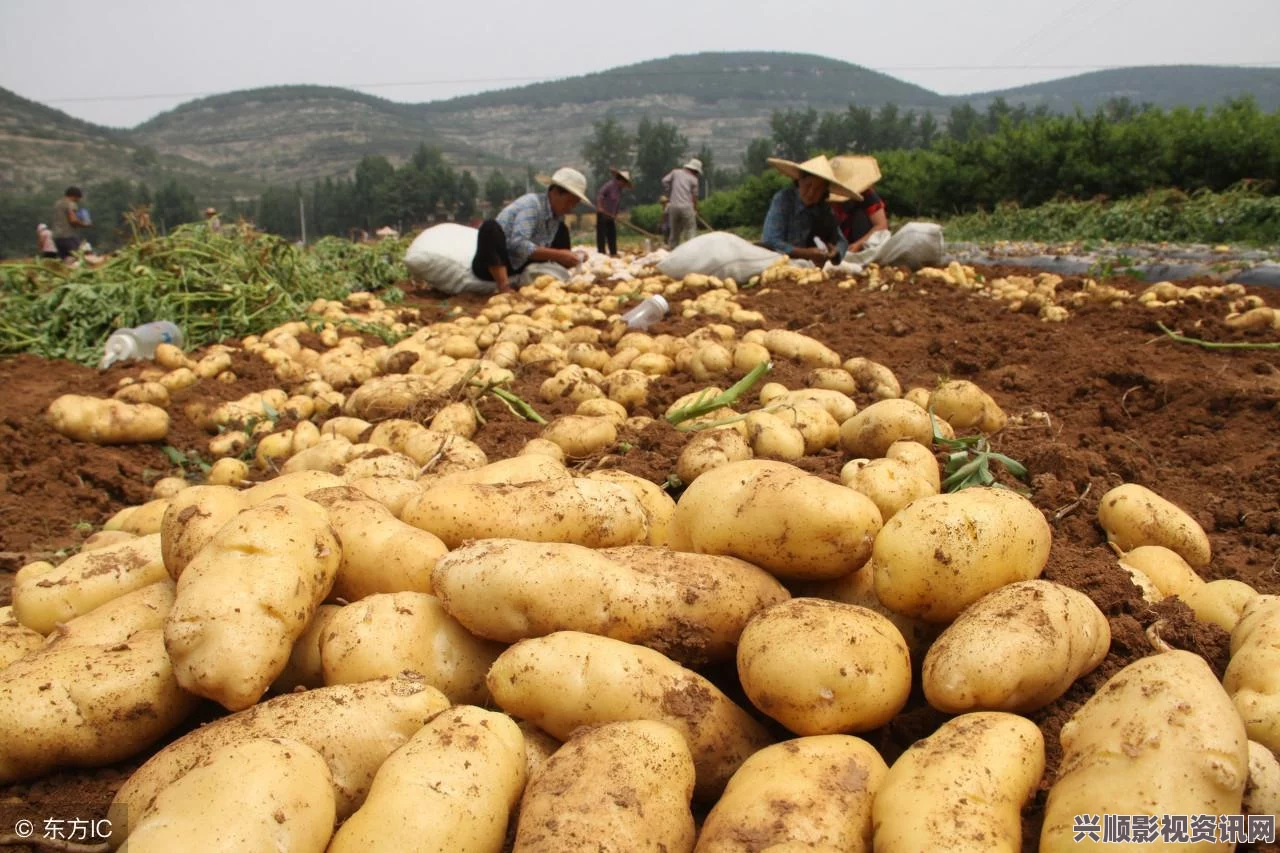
(819, 167)
(210, 211)
(621, 174)
(695, 164)
(857, 173)
(570, 180)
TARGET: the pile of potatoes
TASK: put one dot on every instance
(420, 647)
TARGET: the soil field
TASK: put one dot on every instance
(1101, 399)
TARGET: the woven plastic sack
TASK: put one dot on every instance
(718, 254)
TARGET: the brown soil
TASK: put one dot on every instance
(1125, 404)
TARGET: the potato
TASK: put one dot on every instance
(1262, 792)
(296, 484)
(86, 705)
(167, 487)
(710, 361)
(259, 794)
(212, 364)
(919, 396)
(792, 524)
(247, 596)
(392, 492)
(304, 668)
(919, 458)
(586, 512)
(814, 793)
(85, 581)
(873, 378)
(1133, 515)
(98, 421)
(870, 432)
(354, 727)
(119, 619)
(230, 443)
(526, 468)
(967, 407)
(832, 379)
(810, 418)
(191, 521)
(538, 747)
(140, 520)
(16, 639)
(659, 508)
(839, 406)
(580, 436)
(808, 351)
(1159, 738)
(103, 538)
(457, 419)
(620, 786)
(1164, 568)
(860, 588)
(601, 407)
(627, 387)
(772, 437)
(450, 788)
(170, 357)
(385, 634)
(344, 427)
(178, 379)
(890, 484)
(690, 607)
(144, 392)
(380, 553)
(746, 356)
(1220, 602)
(328, 454)
(710, 449)
(228, 472)
(962, 788)
(1017, 649)
(570, 679)
(1252, 678)
(823, 667)
(942, 553)
(569, 383)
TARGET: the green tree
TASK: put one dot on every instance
(465, 195)
(277, 212)
(373, 179)
(793, 132)
(496, 191)
(756, 158)
(709, 176)
(110, 201)
(964, 123)
(609, 147)
(927, 130)
(174, 205)
(659, 148)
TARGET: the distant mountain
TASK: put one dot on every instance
(284, 134)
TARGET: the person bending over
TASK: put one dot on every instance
(799, 213)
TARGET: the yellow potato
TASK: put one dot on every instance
(140, 520)
(690, 607)
(191, 521)
(1134, 515)
(659, 508)
(840, 406)
(620, 786)
(890, 484)
(805, 349)
(1017, 649)
(392, 492)
(962, 788)
(304, 668)
(919, 458)
(1164, 568)
(871, 431)
(230, 443)
(119, 619)
(580, 436)
(297, 484)
(832, 379)
(144, 392)
(16, 639)
(811, 420)
(170, 357)
(98, 421)
(1159, 738)
(772, 437)
(228, 472)
(873, 378)
(824, 667)
(788, 522)
(385, 634)
(709, 449)
(86, 581)
(568, 679)
(452, 787)
(814, 793)
(354, 727)
(167, 487)
(1262, 793)
(1252, 678)
(967, 407)
(103, 538)
(942, 553)
(247, 596)
(1220, 602)
(860, 588)
(260, 794)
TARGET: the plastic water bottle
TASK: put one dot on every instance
(646, 313)
(139, 342)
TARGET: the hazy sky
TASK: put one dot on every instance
(120, 62)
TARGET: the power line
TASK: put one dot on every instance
(492, 80)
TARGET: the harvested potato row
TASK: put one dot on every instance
(1251, 676)
(98, 421)
(1133, 515)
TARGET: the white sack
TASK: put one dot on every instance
(718, 254)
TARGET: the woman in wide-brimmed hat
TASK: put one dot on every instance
(608, 200)
(799, 215)
(530, 229)
(861, 215)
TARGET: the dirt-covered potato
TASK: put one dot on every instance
(619, 786)
(793, 524)
(690, 607)
(451, 787)
(191, 520)
(824, 667)
(297, 484)
(871, 431)
(810, 793)
(75, 705)
(1017, 649)
(1134, 515)
(246, 598)
(772, 437)
(873, 378)
(406, 631)
(1164, 568)
(890, 484)
(16, 639)
(304, 668)
(44, 595)
(709, 449)
(658, 505)
(585, 512)
(919, 458)
(569, 679)
(1160, 737)
(808, 351)
(942, 553)
(103, 538)
(1262, 793)
(961, 789)
(1220, 602)
(580, 436)
(1252, 678)
(967, 407)
(140, 520)
(353, 726)
(144, 392)
(259, 794)
(860, 588)
(98, 421)
(119, 619)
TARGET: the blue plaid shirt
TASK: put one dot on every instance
(529, 224)
(789, 223)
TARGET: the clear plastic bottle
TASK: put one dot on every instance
(139, 342)
(646, 313)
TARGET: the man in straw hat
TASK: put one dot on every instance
(799, 215)
(680, 186)
(211, 219)
(858, 218)
(608, 200)
(530, 229)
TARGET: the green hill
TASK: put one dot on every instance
(1164, 86)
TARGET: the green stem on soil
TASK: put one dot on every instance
(517, 406)
(700, 407)
(1183, 339)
